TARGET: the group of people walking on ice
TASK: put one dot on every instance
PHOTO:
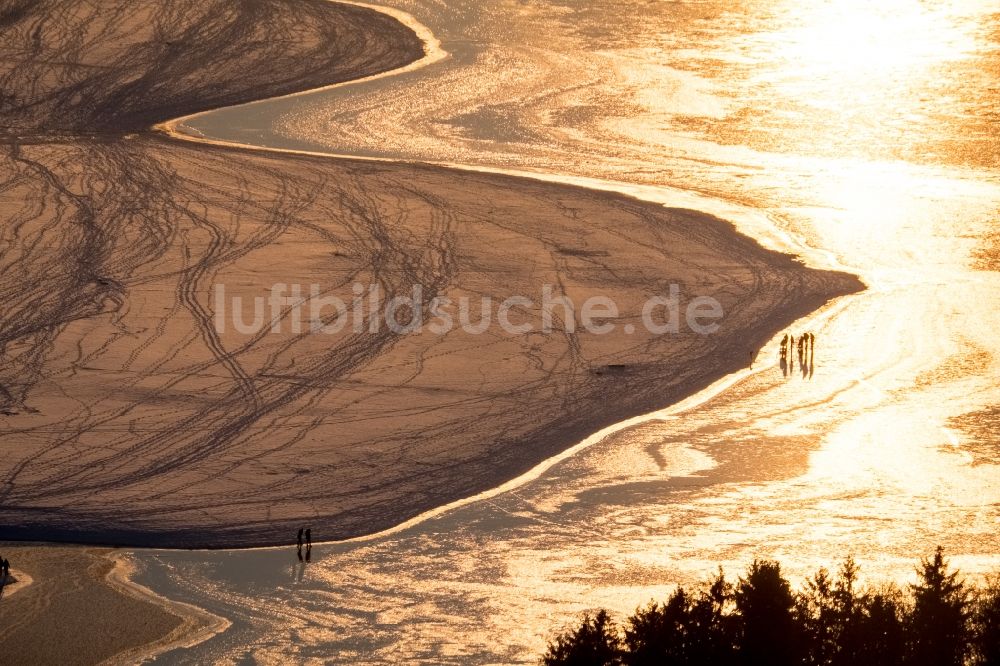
(804, 347)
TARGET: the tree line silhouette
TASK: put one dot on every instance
(830, 621)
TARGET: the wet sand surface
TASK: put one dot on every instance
(70, 613)
(130, 418)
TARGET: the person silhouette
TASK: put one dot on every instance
(300, 537)
(309, 539)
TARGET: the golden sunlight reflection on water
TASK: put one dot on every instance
(868, 133)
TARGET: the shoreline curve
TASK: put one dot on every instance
(197, 624)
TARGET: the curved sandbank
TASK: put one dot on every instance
(52, 620)
(134, 420)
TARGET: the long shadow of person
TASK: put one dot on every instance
(812, 354)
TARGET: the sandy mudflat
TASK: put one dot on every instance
(72, 614)
(128, 418)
